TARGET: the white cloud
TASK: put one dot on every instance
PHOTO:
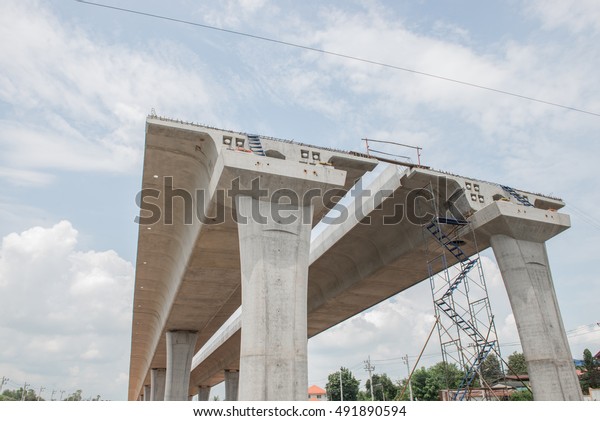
(575, 15)
(230, 14)
(25, 178)
(386, 332)
(79, 103)
(582, 337)
(61, 308)
(473, 131)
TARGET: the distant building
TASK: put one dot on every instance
(519, 382)
(315, 393)
(499, 392)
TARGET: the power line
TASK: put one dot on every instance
(584, 216)
(571, 333)
(340, 55)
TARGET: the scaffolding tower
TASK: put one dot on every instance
(465, 322)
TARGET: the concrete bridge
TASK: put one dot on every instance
(229, 283)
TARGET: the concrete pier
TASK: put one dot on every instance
(147, 392)
(274, 265)
(203, 393)
(232, 381)
(517, 236)
(180, 351)
(526, 274)
(157, 384)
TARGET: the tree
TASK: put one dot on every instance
(517, 363)
(521, 395)
(76, 396)
(11, 395)
(491, 370)
(591, 373)
(442, 376)
(384, 388)
(427, 383)
(363, 395)
(17, 395)
(418, 381)
(349, 385)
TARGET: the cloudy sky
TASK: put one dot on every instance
(77, 81)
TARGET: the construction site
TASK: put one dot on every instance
(249, 246)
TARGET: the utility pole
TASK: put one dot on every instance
(341, 386)
(3, 382)
(42, 388)
(24, 391)
(410, 392)
(370, 368)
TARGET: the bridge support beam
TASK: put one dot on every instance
(526, 274)
(232, 379)
(203, 393)
(517, 236)
(157, 384)
(180, 351)
(274, 255)
(146, 392)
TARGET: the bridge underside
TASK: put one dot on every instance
(189, 273)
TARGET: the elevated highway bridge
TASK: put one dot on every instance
(230, 283)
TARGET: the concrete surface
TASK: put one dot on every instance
(274, 266)
(203, 393)
(157, 384)
(188, 274)
(502, 215)
(188, 271)
(232, 382)
(180, 351)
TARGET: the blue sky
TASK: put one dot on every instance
(76, 82)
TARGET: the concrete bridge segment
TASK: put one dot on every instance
(189, 275)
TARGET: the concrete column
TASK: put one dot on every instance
(204, 392)
(146, 392)
(157, 384)
(274, 255)
(232, 380)
(180, 351)
(526, 273)
(517, 235)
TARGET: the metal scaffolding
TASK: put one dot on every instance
(465, 321)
